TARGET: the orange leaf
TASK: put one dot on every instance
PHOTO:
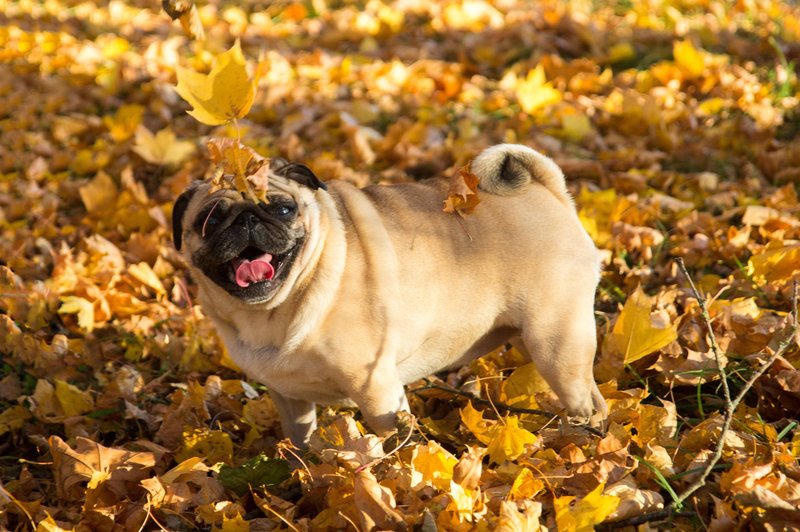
(462, 197)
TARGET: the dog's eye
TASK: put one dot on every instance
(283, 210)
(209, 220)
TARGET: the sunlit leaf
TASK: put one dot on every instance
(432, 464)
(82, 308)
(634, 334)
(481, 428)
(583, 515)
(224, 94)
(73, 400)
(213, 446)
(535, 92)
(688, 58)
(509, 440)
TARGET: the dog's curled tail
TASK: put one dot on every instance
(506, 168)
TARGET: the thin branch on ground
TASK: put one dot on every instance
(730, 407)
(712, 338)
(733, 405)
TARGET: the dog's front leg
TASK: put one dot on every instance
(380, 396)
(298, 418)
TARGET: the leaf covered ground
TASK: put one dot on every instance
(676, 122)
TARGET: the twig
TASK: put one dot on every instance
(673, 510)
(731, 405)
(288, 448)
(499, 406)
(711, 336)
(402, 444)
(666, 513)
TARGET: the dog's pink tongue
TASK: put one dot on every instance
(253, 271)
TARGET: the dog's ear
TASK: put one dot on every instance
(300, 173)
(178, 210)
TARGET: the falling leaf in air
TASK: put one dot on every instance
(462, 196)
(186, 12)
(224, 94)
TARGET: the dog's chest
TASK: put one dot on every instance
(300, 376)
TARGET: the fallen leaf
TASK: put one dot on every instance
(509, 440)
(584, 514)
(163, 148)
(256, 472)
(375, 504)
(634, 334)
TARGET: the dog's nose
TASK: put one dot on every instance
(248, 219)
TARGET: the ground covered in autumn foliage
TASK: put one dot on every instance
(676, 122)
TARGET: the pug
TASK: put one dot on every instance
(329, 292)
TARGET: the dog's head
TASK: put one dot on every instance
(244, 248)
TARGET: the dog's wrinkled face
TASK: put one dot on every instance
(245, 248)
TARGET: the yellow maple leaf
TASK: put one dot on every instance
(143, 273)
(525, 486)
(72, 399)
(535, 92)
(586, 513)
(99, 195)
(122, 124)
(82, 308)
(519, 388)
(634, 335)
(163, 148)
(509, 440)
(432, 464)
(13, 418)
(773, 265)
(237, 523)
(461, 502)
(242, 167)
(473, 420)
(688, 58)
(212, 445)
(224, 94)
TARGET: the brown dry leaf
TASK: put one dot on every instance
(107, 472)
(243, 169)
(633, 501)
(462, 196)
(514, 519)
(375, 504)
